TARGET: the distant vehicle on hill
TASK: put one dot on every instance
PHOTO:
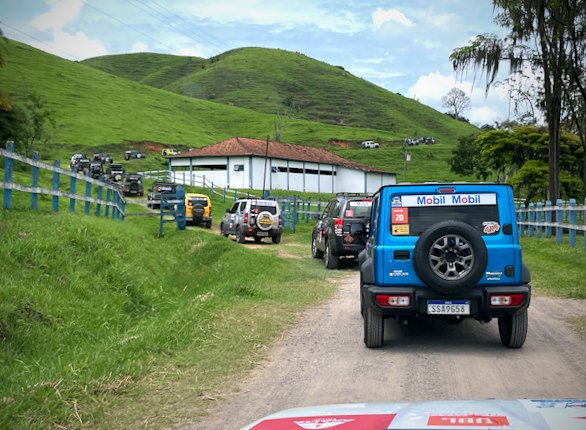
(369, 144)
(133, 153)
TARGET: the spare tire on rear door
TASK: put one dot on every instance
(450, 256)
(197, 210)
(264, 220)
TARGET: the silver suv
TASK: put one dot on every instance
(255, 218)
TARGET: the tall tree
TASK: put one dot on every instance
(456, 101)
(540, 33)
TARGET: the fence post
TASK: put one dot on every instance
(115, 207)
(548, 218)
(108, 197)
(99, 205)
(308, 209)
(123, 209)
(35, 183)
(573, 221)
(224, 193)
(559, 218)
(72, 189)
(521, 219)
(88, 193)
(531, 215)
(539, 214)
(56, 163)
(8, 165)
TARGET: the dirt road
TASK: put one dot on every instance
(323, 360)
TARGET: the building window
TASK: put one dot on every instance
(238, 167)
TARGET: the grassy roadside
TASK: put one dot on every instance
(94, 312)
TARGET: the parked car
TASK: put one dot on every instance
(198, 209)
(133, 153)
(169, 151)
(341, 229)
(75, 159)
(103, 157)
(369, 144)
(115, 172)
(158, 188)
(448, 251)
(251, 217)
(81, 163)
(132, 185)
(96, 170)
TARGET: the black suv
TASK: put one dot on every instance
(447, 251)
(133, 153)
(341, 230)
(116, 172)
(132, 185)
(158, 188)
(96, 169)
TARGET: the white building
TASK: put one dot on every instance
(259, 164)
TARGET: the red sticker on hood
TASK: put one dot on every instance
(337, 422)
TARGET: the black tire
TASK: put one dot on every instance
(330, 259)
(197, 210)
(361, 298)
(450, 256)
(276, 238)
(208, 224)
(513, 329)
(240, 238)
(373, 328)
(222, 232)
(315, 253)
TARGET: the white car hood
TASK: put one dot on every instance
(539, 414)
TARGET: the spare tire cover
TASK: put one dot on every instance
(264, 220)
(197, 210)
(450, 256)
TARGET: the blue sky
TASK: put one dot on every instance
(401, 45)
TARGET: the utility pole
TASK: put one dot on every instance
(264, 179)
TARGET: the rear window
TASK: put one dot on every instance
(411, 215)
(358, 208)
(256, 209)
(200, 200)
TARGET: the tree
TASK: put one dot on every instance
(28, 122)
(456, 101)
(467, 160)
(556, 30)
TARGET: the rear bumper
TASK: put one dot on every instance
(198, 218)
(343, 246)
(478, 297)
(257, 232)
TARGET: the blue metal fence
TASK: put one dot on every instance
(536, 220)
(114, 199)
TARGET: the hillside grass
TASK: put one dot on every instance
(97, 111)
(91, 310)
(275, 80)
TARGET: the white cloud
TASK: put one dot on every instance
(366, 72)
(139, 47)
(267, 12)
(381, 16)
(432, 87)
(483, 115)
(78, 45)
(62, 13)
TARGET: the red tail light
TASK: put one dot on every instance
(210, 211)
(280, 220)
(338, 227)
(506, 299)
(393, 301)
(245, 217)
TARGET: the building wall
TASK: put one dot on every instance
(247, 172)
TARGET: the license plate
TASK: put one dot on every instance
(448, 307)
(262, 233)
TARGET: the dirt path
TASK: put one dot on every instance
(323, 360)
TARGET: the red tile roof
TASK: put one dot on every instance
(236, 146)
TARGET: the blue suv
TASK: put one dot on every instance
(448, 251)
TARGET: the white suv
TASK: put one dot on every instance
(369, 144)
(255, 218)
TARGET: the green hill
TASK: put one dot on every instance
(272, 80)
(98, 110)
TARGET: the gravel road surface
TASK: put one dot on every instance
(323, 360)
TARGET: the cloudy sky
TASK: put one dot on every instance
(401, 45)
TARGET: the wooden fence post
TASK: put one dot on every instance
(35, 183)
(530, 228)
(539, 219)
(548, 218)
(559, 218)
(99, 205)
(72, 189)
(88, 193)
(108, 197)
(57, 164)
(573, 220)
(8, 165)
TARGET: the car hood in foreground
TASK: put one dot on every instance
(542, 414)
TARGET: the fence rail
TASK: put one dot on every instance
(538, 220)
(114, 199)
